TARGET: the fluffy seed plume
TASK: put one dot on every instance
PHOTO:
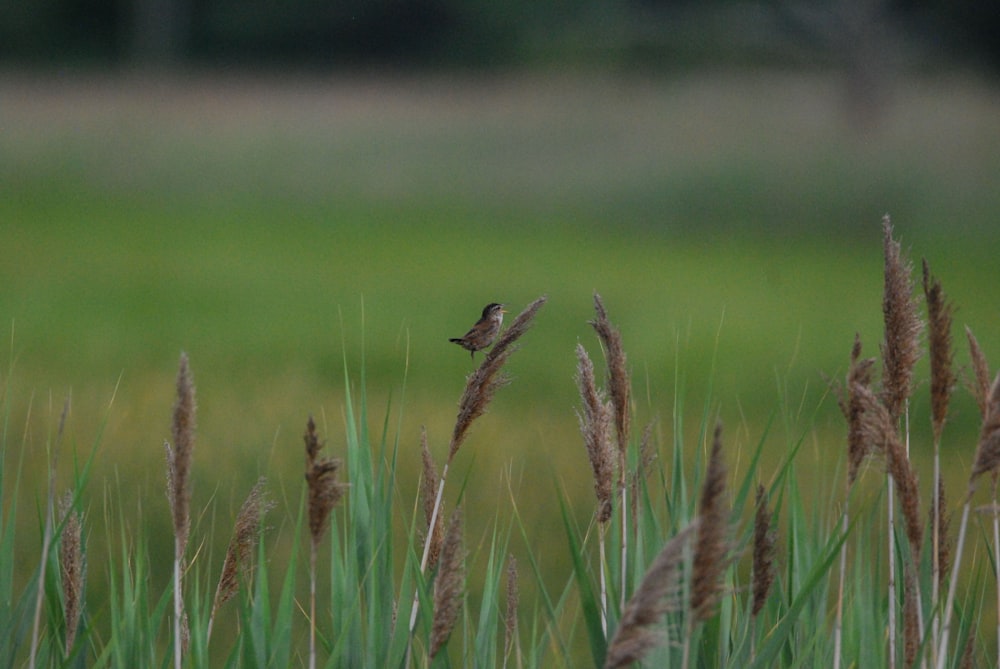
(988, 450)
(428, 493)
(321, 477)
(618, 379)
(981, 371)
(711, 548)
(239, 555)
(72, 569)
(510, 619)
(859, 376)
(877, 428)
(939, 311)
(595, 425)
(482, 384)
(179, 456)
(637, 633)
(901, 346)
(449, 585)
(763, 552)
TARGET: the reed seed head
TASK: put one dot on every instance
(619, 385)
(981, 371)
(72, 569)
(939, 312)
(325, 490)
(510, 619)
(859, 377)
(449, 585)
(711, 548)
(901, 346)
(179, 456)
(944, 541)
(246, 533)
(988, 450)
(428, 494)
(595, 425)
(637, 633)
(482, 384)
(763, 552)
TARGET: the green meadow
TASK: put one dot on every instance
(281, 229)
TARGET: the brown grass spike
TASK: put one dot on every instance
(859, 375)
(321, 477)
(901, 346)
(763, 552)
(179, 456)
(636, 634)
(988, 450)
(618, 379)
(483, 383)
(939, 311)
(944, 543)
(449, 585)
(981, 371)
(428, 494)
(239, 554)
(711, 548)
(595, 425)
(72, 569)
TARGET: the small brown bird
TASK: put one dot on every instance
(484, 331)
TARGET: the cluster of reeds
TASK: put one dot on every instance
(661, 576)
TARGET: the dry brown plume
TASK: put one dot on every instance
(939, 311)
(711, 548)
(179, 456)
(595, 425)
(246, 533)
(428, 493)
(981, 371)
(763, 552)
(988, 450)
(321, 477)
(901, 346)
(859, 376)
(72, 569)
(449, 585)
(510, 618)
(483, 383)
(636, 634)
(618, 379)
(877, 428)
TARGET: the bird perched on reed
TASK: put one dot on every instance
(484, 331)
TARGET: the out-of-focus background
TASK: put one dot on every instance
(277, 188)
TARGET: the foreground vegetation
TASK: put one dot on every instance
(686, 560)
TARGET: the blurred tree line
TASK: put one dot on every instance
(493, 33)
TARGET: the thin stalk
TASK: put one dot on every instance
(312, 605)
(892, 573)
(953, 586)
(838, 630)
(178, 607)
(935, 550)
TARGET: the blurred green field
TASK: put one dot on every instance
(272, 227)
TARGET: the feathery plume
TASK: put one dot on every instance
(449, 585)
(939, 311)
(482, 384)
(595, 425)
(180, 454)
(618, 379)
(968, 660)
(859, 375)
(763, 552)
(636, 634)
(428, 494)
(877, 428)
(981, 385)
(72, 569)
(711, 548)
(324, 489)
(510, 619)
(988, 450)
(901, 346)
(246, 532)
